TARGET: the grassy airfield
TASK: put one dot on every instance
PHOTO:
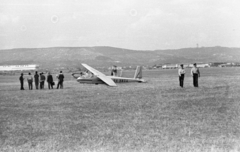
(153, 116)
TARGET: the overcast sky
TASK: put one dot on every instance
(131, 24)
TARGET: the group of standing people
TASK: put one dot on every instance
(39, 80)
(195, 73)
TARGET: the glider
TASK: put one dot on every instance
(99, 78)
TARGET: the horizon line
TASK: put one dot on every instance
(114, 47)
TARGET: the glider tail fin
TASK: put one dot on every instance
(138, 73)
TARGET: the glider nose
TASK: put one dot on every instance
(79, 79)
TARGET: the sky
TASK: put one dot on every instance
(130, 24)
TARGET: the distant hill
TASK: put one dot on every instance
(69, 57)
(203, 54)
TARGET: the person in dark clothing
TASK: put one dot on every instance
(21, 78)
(60, 80)
(36, 79)
(195, 74)
(30, 80)
(43, 80)
(114, 71)
(50, 81)
(181, 73)
(40, 80)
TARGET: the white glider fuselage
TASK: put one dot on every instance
(96, 80)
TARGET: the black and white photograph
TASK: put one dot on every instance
(119, 76)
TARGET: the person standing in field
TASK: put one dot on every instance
(21, 79)
(181, 73)
(195, 74)
(60, 80)
(43, 78)
(50, 80)
(114, 71)
(30, 81)
(40, 80)
(36, 79)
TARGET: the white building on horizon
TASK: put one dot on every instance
(19, 67)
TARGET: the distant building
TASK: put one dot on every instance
(228, 65)
(200, 65)
(117, 67)
(185, 65)
(19, 67)
(216, 64)
(170, 66)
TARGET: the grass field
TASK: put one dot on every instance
(153, 116)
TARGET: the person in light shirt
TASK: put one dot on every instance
(181, 73)
(195, 74)
(30, 81)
